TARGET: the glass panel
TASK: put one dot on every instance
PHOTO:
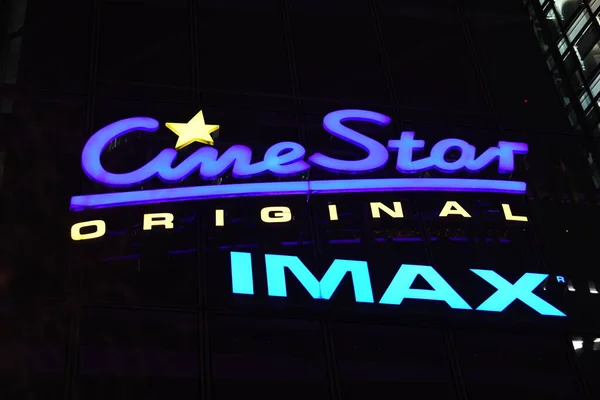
(563, 46)
(587, 48)
(43, 64)
(374, 361)
(545, 172)
(137, 354)
(572, 64)
(553, 24)
(578, 25)
(33, 348)
(341, 34)
(567, 235)
(500, 366)
(441, 44)
(132, 48)
(267, 359)
(2, 158)
(587, 356)
(595, 85)
(500, 39)
(588, 39)
(585, 100)
(135, 266)
(592, 60)
(255, 61)
(567, 8)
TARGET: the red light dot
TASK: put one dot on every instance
(525, 101)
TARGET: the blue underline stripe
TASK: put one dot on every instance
(79, 203)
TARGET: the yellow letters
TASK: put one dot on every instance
(158, 219)
(333, 215)
(219, 218)
(100, 230)
(452, 207)
(272, 215)
(377, 207)
(509, 215)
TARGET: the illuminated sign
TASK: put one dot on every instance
(397, 291)
(287, 159)
(280, 215)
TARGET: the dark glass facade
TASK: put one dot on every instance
(151, 314)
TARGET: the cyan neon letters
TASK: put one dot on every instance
(242, 281)
(286, 159)
(323, 289)
(400, 288)
(522, 290)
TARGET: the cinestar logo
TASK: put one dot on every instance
(400, 287)
(288, 160)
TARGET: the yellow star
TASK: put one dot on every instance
(194, 131)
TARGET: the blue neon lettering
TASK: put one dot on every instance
(522, 290)
(282, 159)
(400, 287)
(286, 159)
(439, 150)
(211, 164)
(90, 156)
(405, 147)
(377, 154)
(304, 188)
(323, 289)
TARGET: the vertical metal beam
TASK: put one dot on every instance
(476, 62)
(385, 62)
(580, 381)
(201, 256)
(194, 51)
(203, 329)
(328, 341)
(291, 56)
(387, 69)
(76, 308)
(454, 364)
(396, 113)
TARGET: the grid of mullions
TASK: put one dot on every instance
(148, 323)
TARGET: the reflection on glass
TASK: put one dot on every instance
(587, 356)
(578, 25)
(567, 8)
(553, 24)
(585, 343)
(563, 46)
(585, 100)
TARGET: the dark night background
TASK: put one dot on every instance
(150, 315)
